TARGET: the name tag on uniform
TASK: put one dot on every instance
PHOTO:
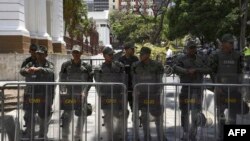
(109, 101)
(149, 101)
(69, 102)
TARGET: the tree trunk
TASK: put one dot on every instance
(244, 10)
(157, 33)
(65, 29)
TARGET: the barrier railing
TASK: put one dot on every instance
(94, 62)
(161, 103)
(186, 111)
(45, 112)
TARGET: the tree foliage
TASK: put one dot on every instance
(75, 17)
(134, 27)
(129, 27)
(205, 19)
(139, 26)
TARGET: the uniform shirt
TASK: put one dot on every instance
(110, 72)
(127, 63)
(27, 60)
(81, 72)
(226, 68)
(46, 74)
(150, 72)
(185, 62)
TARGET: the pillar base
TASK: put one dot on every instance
(14, 44)
(59, 48)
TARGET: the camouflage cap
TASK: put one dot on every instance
(33, 47)
(128, 45)
(77, 48)
(145, 50)
(42, 49)
(108, 50)
(229, 38)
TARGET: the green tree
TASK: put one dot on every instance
(75, 18)
(205, 19)
(127, 27)
(139, 26)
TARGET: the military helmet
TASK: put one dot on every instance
(229, 38)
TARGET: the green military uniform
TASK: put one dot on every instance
(71, 72)
(27, 60)
(128, 61)
(45, 94)
(226, 68)
(149, 96)
(191, 97)
(111, 96)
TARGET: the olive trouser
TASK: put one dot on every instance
(68, 115)
(37, 103)
(150, 106)
(229, 98)
(190, 100)
(113, 123)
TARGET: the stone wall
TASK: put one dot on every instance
(10, 65)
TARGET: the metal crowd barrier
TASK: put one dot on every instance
(163, 109)
(94, 62)
(153, 102)
(94, 127)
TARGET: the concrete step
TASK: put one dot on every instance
(11, 99)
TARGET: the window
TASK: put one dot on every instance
(103, 25)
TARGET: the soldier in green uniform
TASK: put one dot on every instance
(75, 70)
(111, 96)
(226, 67)
(40, 70)
(150, 103)
(31, 58)
(128, 59)
(191, 69)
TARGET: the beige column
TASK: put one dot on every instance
(42, 37)
(57, 26)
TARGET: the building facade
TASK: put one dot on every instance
(23, 22)
(143, 6)
(98, 10)
(101, 19)
(101, 5)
